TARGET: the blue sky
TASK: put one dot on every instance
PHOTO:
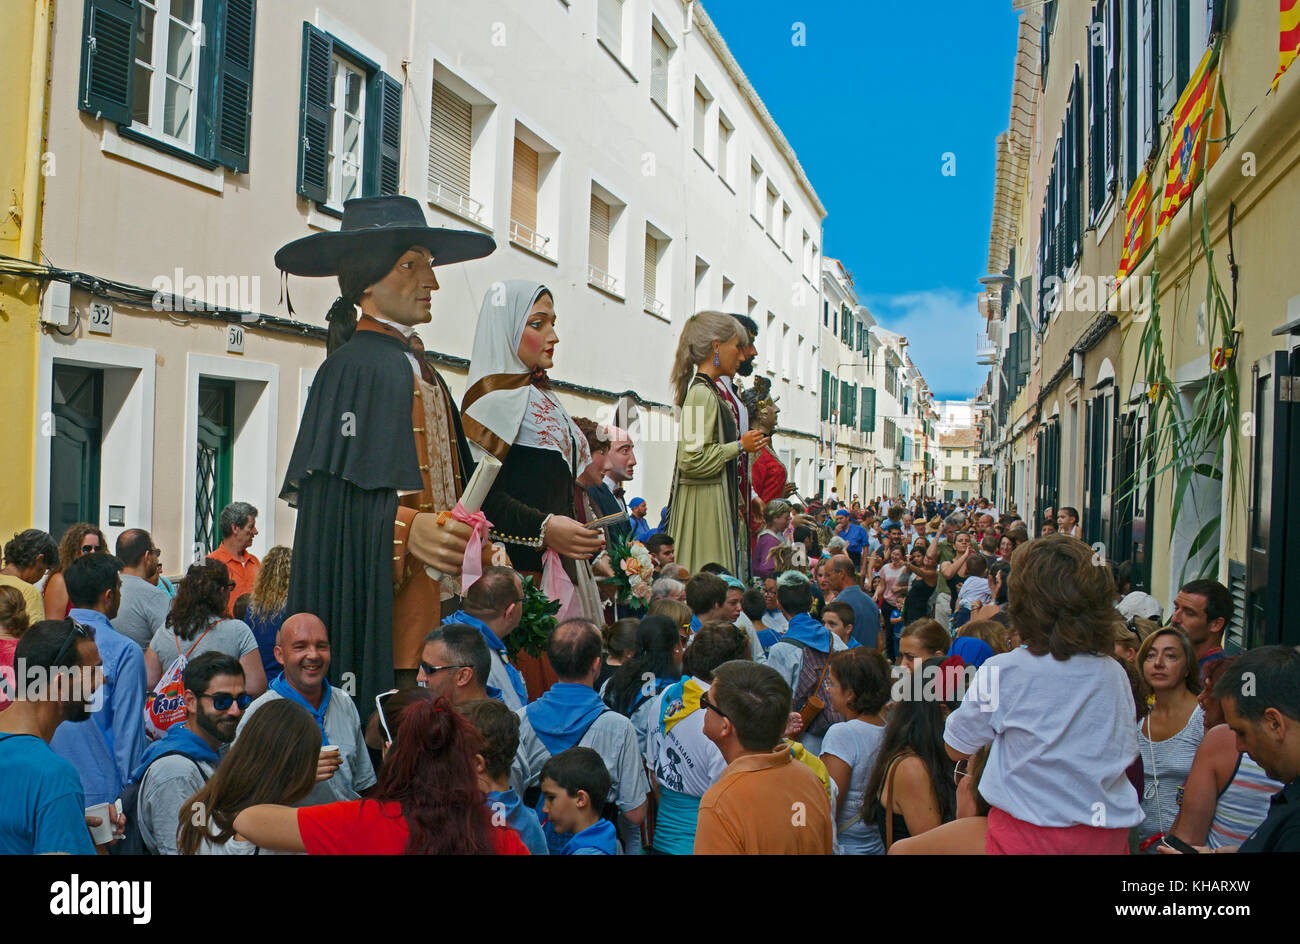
(871, 104)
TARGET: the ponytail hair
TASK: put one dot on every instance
(698, 336)
(430, 773)
(356, 274)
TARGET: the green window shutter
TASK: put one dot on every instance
(826, 395)
(227, 113)
(107, 60)
(835, 396)
(383, 136)
(314, 116)
(868, 409)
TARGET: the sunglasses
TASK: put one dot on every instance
(379, 707)
(85, 632)
(223, 700)
(434, 669)
(705, 703)
(961, 769)
(89, 548)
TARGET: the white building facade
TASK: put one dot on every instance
(614, 151)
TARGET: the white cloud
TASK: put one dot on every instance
(940, 326)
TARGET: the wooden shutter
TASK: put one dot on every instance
(226, 115)
(868, 409)
(826, 395)
(658, 68)
(598, 241)
(609, 24)
(1096, 111)
(383, 153)
(1110, 178)
(449, 139)
(523, 186)
(107, 58)
(314, 114)
(651, 266)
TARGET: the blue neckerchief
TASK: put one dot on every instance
(282, 687)
(600, 836)
(179, 739)
(767, 638)
(695, 624)
(806, 630)
(562, 716)
(519, 818)
(493, 642)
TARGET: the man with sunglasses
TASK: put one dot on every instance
(302, 647)
(176, 767)
(494, 605)
(106, 748)
(455, 664)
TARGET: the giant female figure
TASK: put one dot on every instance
(707, 516)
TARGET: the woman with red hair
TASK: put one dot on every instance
(427, 800)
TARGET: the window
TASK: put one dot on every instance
(805, 256)
(215, 450)
(657, 271)
(772, 217)
(771, 348)
(799, 358)
(701, 284)
(826, 313)
(703, 101)
(598, 245)
(609, 25)
(153, 74)
(826, 395)
(725, 130)
(661, 54)
(350, 124)
(756, 188)
(785, 352)
(534, 194)
(166, 69)
(1103, 105)
(783, 234)
(728, 293)
(462, 162)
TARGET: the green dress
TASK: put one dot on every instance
(704, 518)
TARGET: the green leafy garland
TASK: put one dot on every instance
(535, 625)
(1194, 441)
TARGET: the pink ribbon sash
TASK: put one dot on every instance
(472, 566)
(557, 586)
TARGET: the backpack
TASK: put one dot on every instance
(165, 705)
(812, 694)
(128, 801)
(534, 799)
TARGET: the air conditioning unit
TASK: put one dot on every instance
(56, 304)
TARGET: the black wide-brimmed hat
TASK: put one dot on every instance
(380, 224)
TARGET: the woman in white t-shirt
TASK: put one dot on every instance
(859, 690)
(197, 624)
(1171, 732)
(1058, 712)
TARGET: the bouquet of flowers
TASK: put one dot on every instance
(633, 571)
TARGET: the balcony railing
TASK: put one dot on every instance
(984, 346)
(459, 203)
(654, 306)
(602, 280)
(529, 238)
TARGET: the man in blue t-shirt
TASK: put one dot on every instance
(42, 806)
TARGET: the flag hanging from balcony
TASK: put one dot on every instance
(1187, 139)
(1288, 36)
(1135, 219)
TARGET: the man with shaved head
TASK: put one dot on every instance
(302, 647)
(842, 577)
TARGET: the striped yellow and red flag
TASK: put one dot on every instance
(1288, 36)
(1135, 218)
(1187, 138)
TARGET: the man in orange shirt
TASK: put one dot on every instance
(238, 522)
(764, 803)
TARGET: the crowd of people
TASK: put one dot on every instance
(784, 675)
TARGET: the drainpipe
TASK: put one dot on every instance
(28, 225)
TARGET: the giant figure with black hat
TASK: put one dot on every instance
(380, 451)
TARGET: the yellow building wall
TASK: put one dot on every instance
(19, 297)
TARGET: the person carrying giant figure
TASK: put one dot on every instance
(380, 453)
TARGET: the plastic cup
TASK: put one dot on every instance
(103, 833)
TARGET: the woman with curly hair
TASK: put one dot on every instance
(427, 800)
(197, 624)
(266, 609)
(274, 760)
(81, 538)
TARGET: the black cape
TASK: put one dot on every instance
(354, 452)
